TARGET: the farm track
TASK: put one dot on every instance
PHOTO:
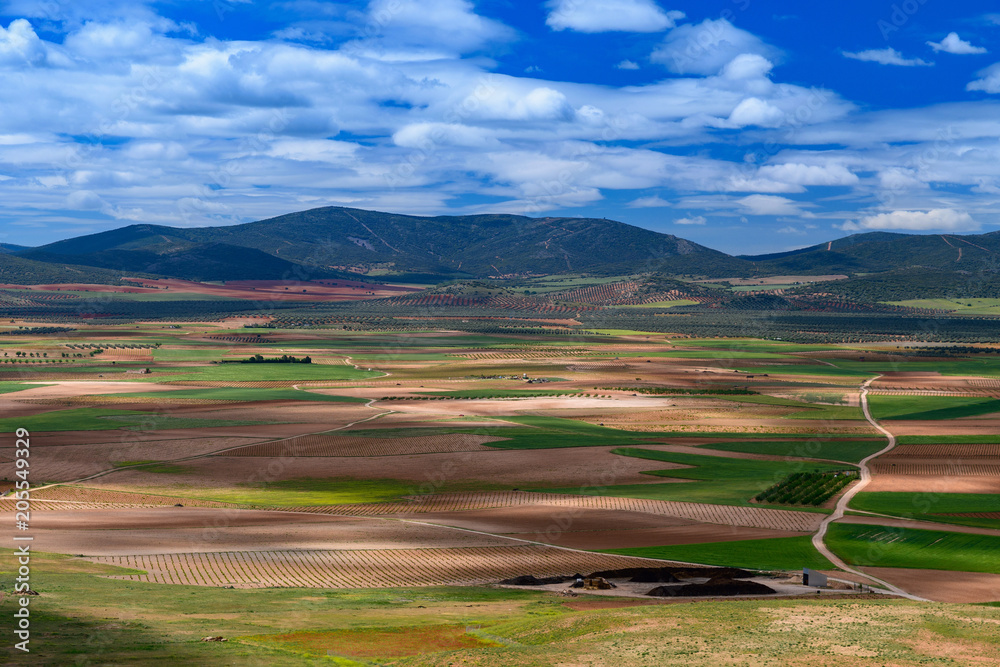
(370, 568)
(845, 499)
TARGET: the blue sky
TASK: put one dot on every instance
(746, 125)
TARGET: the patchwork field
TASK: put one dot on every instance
(395, 464)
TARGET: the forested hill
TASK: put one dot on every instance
(876, 252)
(335, 242)
(336, 239)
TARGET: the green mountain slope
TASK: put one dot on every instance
(20, 271)
(882, 251)
(333, 238)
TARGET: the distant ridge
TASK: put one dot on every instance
(332, 240)
(339, 242)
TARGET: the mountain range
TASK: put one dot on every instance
(335, 242)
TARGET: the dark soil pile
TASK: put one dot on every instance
(717, 586)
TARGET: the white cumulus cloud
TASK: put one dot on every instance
(769, 205)
(802, 174)
(654, 201)
(939, 219)
(988, 81)
(887, 56)
(693, 220)
(955, 44)
(708, 47)
(610, 15)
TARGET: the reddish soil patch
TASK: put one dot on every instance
(269, 290)
(942, 586)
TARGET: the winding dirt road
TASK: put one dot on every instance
(845, 500)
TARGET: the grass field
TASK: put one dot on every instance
(851, 451)
(11, 387)
(168, 355)
(717, 481)
(83, 618)
(931, 506)
(930, 407)
(264, 372)
(781, 553)
(961, 306)
(879, 546)
(99, 419)
(552, 432)
(307, 491)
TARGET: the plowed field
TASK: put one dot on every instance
(381, 568)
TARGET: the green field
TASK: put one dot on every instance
(168, 355)
(11, 387)
(264, 372)
(930, 506)
(100, 419)
(851, 451)
(961, 306)
(930, 407)
(553, 432)
(781, 553)
(879, 546)
(307, 491)
(714, 480)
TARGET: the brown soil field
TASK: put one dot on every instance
(965, 426)
(976, 451)
(934, 484)
(381, 568)
(265, 290)
(937, 468)
(353, 445)
(942, 586)
(516, 468)
(174, 530)
(62, 463)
